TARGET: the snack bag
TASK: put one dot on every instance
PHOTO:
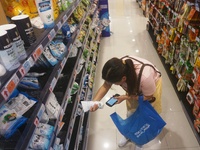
(33, 8)
(10, 121)
(13, 8)
(55, 9)
(24, 4)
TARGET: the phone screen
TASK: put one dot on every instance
(111, 101)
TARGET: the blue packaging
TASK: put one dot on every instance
(104, 17)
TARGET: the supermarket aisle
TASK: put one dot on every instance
(130, 37)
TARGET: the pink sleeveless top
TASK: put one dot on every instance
(148, 78)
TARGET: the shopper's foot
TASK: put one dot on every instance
(137, 147)
(123, 141)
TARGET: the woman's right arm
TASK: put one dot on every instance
(100, 94)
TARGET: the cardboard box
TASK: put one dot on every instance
(3, 19)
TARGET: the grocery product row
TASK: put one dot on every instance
(174, 29)
(40, 106)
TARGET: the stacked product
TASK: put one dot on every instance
(174, 26)
(40, 100)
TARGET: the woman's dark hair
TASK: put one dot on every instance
(114, 69)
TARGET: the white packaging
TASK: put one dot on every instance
(52, 107)
(88, 104)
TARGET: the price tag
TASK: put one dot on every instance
(59, 25)
(179, 75)
(68, 93)
(65, 105)
(51, 34)
(179, 35)
(22, 71)
(75, 71)
(5, 93)
(12, 84)
(197, 39)
(59, 71)
(36, 122)
(53, 83)
(31, 61)
(195, 97)
(188, 86)
(78, 30)
(41, 111)
(64, 18)
(62, 113)
(25, 68)
(189, 48)
(197, 8)
(70, 47)
(193, 30)
(63, 62)
(67, 145)
(37, 52)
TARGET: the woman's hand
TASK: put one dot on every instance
(94, 108)
(121, 98)
(126, 97)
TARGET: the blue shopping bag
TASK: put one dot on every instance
(142, 126)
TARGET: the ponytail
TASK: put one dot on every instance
(131, 77)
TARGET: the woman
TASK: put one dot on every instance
(136, 76)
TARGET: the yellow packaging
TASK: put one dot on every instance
(172, 33)
(197, 63)
(33, 8)
(55, 9)
(13, 8)
(24, 3)
(3, 19)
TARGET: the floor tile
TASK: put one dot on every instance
(179, 133)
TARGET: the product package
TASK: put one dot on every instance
(87, 104)
(30, 83)
(49, 57)
(45, 130)
(57, 49)
(39, 142)
(45, 10)
(52, 107)
(10, 121)
(20, 103)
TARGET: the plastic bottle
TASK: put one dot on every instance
(33, 8)
(45, 10)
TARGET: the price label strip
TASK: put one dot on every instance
(41, 111)
(9, 88)
(36, 121)
(25, 68)
(64, 18)
(59, 25)
(63, 62)
(53, 83)
(52, 34)
(37, 52)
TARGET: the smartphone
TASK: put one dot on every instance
(111, 101)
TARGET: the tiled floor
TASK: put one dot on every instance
(130, 37)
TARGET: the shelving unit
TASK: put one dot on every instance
(73, 134)
(169, 41)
